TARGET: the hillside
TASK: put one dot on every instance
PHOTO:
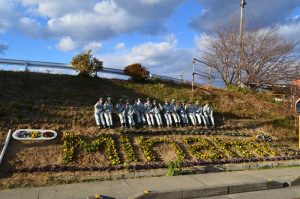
(65, 104)
(61, 102)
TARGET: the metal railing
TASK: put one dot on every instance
(51, 65)
(8, 63)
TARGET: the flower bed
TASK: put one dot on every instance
(129, 152)
(147, 144)
(71, 141)
(206, 149)
(203, 145)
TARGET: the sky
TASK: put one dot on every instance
(163, 35)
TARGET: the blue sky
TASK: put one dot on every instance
(163, 35)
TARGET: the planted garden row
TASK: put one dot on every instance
(209, 148)
(186, 132)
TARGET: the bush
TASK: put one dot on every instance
(85, 64)
(137, 72)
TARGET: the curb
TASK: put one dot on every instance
(295, 182)
(198, 170)
(209, 191)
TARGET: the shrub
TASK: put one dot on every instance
(85, 64)
(175, 167)
(137, 72)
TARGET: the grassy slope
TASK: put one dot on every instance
(32, 100)
(65, 103)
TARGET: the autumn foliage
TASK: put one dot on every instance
(86, 64)
(137, 72)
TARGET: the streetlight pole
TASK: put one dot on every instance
(242, 5)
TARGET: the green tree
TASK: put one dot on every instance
(86, 64)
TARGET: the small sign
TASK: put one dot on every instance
(34, 134)
(297, 106)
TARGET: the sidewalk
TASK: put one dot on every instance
(124, 188)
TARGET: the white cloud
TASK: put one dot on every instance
(57, 8)
(120, 46)
(94, 20)
(30, 26)
(106, 21)
(201, 42)
(92, 46)
(66, 44)
(3, 47)
(4, 25)
(258, 13)
(7, 14)
(290, 30)
(163, 57)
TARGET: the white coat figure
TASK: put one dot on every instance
(108, 109)
(99, 112)
(191, 113)
(140, 111)
(120, 108)
(156, 111)
(208, 114)
(129, 112)
(149, 113)
(199, 114)
(183, 115)
(174, 113)
(167, 109)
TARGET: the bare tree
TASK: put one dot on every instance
(266, 58)
(222, 53)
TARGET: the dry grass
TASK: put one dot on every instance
(65, 103)
(32, 100)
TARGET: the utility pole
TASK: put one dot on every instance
(193, 80)
(242, 5)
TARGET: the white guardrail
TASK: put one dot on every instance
(9, 63)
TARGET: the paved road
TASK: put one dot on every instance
(125, 187)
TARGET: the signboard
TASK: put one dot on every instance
(34, 134)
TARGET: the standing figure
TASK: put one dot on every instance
(129, 111)
(174, 113)
(108, 109)
(139, 111)
(99, 111)
(191, 112)
(120, 109)
(156, 110)
(183, 115)
(149, 113)
(208, 113)
(199, 113)
(167, 109)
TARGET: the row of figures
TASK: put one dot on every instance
(175, 113)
